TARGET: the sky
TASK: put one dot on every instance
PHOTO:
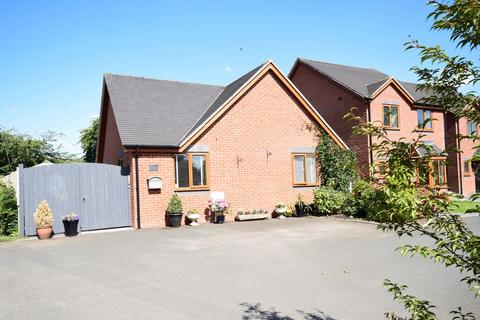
(53, 54)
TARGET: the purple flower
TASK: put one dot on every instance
(219, 205)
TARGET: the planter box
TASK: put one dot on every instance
(247, 217)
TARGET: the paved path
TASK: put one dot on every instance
(312, 268)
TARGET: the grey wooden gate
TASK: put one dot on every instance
(98, 193)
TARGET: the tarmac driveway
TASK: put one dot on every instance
(309, 268)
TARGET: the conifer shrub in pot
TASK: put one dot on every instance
(70, 224)
(174, 211)
(43, 220)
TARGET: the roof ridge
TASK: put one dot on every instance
(415, 83)
(384, 79)
(164, 80)
(342, 65)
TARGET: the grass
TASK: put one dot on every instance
(9, 238)
(462, 206)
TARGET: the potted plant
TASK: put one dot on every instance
(301, 208)
(43, 220)
(70, 224)
(281, 210)
(219, 207)
(193, 216)
(174, 211)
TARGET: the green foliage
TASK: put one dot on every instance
(446, 75)
(417, 308)
(88, 140)
(407, 206)
(363, 202)
(328, 201)
(12, 237)
(337, 166)
(17, 148)
(175, 205)
(8, 210)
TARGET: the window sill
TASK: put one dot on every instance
(191, 189)
(424, 130)
(305, 185)
(391, 128)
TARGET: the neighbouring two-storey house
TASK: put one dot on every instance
(399, 107)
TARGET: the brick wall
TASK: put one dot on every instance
(249, 157)
(111, 144)
(407, 115)
(468, 150)
(456, 171)
(333, 101)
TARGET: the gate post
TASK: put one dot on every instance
(20, 201)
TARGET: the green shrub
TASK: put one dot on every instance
(363, 201)
(175, 205)
(337, 166)
(8, 210)
(328, 201)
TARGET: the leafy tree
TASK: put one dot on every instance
(414, 207)
(88, 140)
(445, 76)
(410, 206)
(17, 148)
(8, 210)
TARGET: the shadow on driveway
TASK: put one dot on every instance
(256, 312)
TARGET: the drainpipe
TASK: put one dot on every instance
(137, 188)
(370, 141)
(459, 156)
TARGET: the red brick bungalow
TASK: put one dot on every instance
(247, 139)
(334, 89)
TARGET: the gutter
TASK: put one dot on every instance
(137, 187)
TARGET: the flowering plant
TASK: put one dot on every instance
(71, 217)
(281, 208)
(219, 206)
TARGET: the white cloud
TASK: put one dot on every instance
(15, 109)
(228, 69)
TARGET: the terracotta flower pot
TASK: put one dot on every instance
(44, 233)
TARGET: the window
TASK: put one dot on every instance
(191, 171)
(424, 119)
(466, 168)
(390, 116)
(380, 167)
(304, 169)
(471, 128)
(438, 173)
